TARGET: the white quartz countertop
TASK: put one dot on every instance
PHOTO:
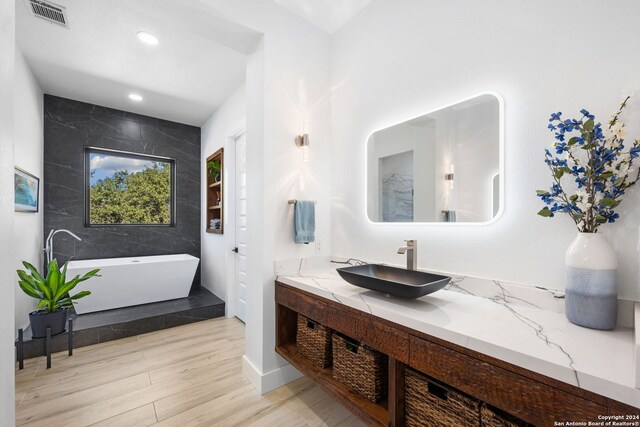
(510, 325)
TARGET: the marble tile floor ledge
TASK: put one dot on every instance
(109, 325)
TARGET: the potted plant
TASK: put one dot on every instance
(214, 170)
(591, 167)
(53, 293)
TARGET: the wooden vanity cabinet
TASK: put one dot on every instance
(527, 395)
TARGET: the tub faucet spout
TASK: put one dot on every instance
(48, 248)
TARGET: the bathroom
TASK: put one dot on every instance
(289, 96)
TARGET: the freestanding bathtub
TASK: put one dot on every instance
(133, 281)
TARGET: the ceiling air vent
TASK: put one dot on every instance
(48, 11)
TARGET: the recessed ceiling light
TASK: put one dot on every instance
(135, 97)
(147, 38)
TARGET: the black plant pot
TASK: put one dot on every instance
(41, 320)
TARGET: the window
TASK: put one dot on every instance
(128, 189)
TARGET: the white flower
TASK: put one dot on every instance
(582, 202)
(582, 194)
(584, 207)
(617, 130)
(623, 169)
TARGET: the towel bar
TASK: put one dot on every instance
(294, 201)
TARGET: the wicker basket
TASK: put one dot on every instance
(429, 403)
(314, 341)
(360, 368)
(492, 417)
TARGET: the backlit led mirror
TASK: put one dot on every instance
(442, 167)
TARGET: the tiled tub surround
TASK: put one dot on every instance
(69, 126)
(104, 326)
(524, 327)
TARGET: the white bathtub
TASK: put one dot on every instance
(132, 281)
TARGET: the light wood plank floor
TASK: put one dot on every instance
(185, 376)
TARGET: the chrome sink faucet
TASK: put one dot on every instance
(48, 249)
(412, 254)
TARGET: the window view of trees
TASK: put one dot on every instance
(129, 190)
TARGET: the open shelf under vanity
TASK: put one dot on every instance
(376, 412)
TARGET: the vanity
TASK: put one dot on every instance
(500, 347)
(529, 362)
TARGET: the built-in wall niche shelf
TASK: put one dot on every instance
(215, 196)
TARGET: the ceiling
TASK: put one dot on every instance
(328, 15)
(99, 60)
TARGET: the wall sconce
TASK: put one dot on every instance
(449, 176)
(302, 140)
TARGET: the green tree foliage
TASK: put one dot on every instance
(133, 198)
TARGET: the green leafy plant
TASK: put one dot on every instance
(52, 290)
(214, 168)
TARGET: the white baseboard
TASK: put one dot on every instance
(264, 383)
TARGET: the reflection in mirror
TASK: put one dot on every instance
(444, 166)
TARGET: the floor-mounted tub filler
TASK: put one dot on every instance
(125, 282)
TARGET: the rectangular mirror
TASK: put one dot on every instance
(444, 166)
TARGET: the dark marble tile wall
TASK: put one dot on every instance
(69, 126)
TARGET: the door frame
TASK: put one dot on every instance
(233, 134)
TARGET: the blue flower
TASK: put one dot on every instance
(586, 113)
(597, 131)
(577, 170)
(561, 148)
(598, 174)
(582, 181)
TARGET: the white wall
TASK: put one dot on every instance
(288, 80)
(450, 50)
(7, 280)
(296, 87)
(216, 248)
(29, 125)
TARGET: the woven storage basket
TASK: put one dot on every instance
(492, 417)
(314, 341)
(360, 368)
(429, 403)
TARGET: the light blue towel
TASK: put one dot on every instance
(304, 221)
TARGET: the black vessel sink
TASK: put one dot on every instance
(394, 281)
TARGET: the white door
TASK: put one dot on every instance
(241, 227)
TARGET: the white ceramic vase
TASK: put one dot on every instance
(591, 296)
